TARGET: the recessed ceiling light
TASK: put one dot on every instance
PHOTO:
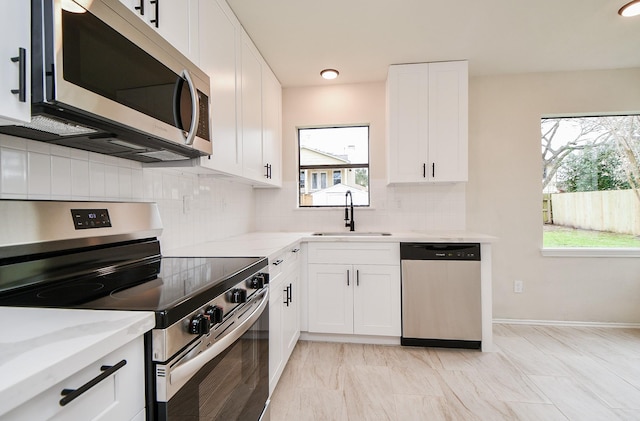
(329, 74)
(630, 9)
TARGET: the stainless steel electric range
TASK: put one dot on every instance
(207, 357)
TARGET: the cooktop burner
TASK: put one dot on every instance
(72, 292)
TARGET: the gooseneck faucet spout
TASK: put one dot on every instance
(349, 223)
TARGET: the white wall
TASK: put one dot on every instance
(402, 208)
(504, 195)
(214, 208)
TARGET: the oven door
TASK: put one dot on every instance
(223, 375)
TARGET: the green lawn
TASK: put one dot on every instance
(555, 236)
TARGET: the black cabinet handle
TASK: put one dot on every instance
(290, 292)
(424, 170)
(21, 59)
(140, 7)
(156, 21)
(72, 394)
(267, 171)
(357, 277)
(286, 296)
(277, 262)
(347, 277)
(433, 170)
(295, 250)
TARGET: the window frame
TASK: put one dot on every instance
(587, 251)
(327, 169)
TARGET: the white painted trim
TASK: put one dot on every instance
(354, 339)
(590, 252)
(566, 323)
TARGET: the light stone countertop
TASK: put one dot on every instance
(39, 347)
(269, 244)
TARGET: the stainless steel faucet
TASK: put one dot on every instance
(349, 223)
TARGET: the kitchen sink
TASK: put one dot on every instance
(352, 233)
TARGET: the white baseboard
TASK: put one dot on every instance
(565, 323)
(356, 339)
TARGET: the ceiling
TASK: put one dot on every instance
(361, 38)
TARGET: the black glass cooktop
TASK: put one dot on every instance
(172, 287)
(182, 285)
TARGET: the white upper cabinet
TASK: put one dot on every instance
(220, 35)
(271, 127)
(251, 112)
(427, 112)
(15, 62)
(246, 100)
(176, 20)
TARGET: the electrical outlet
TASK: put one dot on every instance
(518, 286)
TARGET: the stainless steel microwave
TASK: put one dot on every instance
(102, 80)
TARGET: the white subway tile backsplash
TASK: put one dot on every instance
(79, 154)
(96, 179)
(13, 163)
(80, 181)
(39, 175)
(41, 147)
(124, 183)
(58, 150)
(218, 208)
(137, 184)
(111, 182)
(60, 176)
(13, 142)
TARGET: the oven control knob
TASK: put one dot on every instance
(199, 325)
(214, 313)
(237, 295)
(257, 281)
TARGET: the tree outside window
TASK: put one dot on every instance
(591, 181)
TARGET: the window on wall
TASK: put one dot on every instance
(591, 181)
(332, 161)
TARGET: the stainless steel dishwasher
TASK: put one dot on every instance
(441, 295)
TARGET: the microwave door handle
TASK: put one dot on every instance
(195, 109)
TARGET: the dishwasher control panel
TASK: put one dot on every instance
(440, 251)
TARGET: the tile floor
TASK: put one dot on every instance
(537, 373)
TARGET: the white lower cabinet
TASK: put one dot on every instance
(284, 312)
(117, 396)
(362, 298)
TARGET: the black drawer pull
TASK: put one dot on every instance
(107, 370)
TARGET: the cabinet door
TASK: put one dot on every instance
(408, 125)
(252, 166)
(291, 318)
(276, 360)
(272, 126)
(15, 19)
(376, 306)
(175, 20)
(330, 298)
(448, 120)
(219, 40)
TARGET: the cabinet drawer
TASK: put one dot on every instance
(354, 253)
(285, 262)
(120, 396)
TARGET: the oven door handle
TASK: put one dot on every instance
(181, 373)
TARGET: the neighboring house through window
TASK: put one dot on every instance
(335, 160)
